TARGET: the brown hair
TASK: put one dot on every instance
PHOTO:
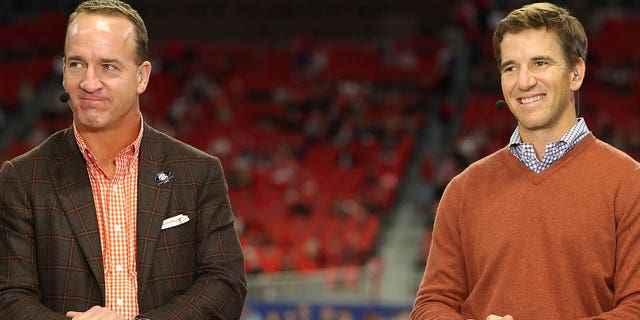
(118, 8)
(569, 30)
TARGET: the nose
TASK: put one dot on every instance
(526, 79)
(91, 82)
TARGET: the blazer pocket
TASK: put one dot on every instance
(175, 254)
(177, 230)
(174, 221)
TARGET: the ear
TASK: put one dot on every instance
(144, 72)
(577, 75)
(64, 72)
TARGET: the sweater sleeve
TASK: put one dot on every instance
(627, 271)
(444, 285)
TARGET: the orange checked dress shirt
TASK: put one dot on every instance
(116, 202)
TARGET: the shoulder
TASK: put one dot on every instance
(162, 149)
(156, 144)
(604, 155)
(56, 148)
(484, 175)
(598, 168)
(489, 165)
(608, 169)
(618, 173)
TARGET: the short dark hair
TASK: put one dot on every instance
(569, 30)
(118, 8)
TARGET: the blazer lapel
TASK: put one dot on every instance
(153, 202)
(73, 189)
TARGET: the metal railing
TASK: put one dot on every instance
(355, 284)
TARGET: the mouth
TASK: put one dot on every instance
(91, 103)
(531, 100)
(90, 98)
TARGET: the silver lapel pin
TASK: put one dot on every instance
(163, 177)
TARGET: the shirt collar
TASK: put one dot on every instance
(576, 133)
(525, 152)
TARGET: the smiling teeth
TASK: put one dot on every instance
(531, 100)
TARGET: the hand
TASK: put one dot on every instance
(95, 313)
(494, 317)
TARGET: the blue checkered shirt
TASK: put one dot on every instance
(552, 152)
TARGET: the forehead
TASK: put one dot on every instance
(529, 43)
(99, 22)
(100, 32)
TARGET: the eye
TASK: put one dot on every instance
(74, 65)
(109, 67)
(508, 69)
(540, 64)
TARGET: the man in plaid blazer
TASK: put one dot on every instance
(188, 259)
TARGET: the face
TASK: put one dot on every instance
(538, 84)
(101, 74)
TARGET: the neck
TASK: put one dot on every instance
(539, 138)
(105, 144)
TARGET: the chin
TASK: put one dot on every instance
(90, 122)
(531, 125)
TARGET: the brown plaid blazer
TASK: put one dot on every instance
(50, 254)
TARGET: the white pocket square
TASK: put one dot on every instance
(174, 221)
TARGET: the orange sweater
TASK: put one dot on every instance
(562, 244)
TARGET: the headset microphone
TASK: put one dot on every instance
(500, 104)
(64, 97)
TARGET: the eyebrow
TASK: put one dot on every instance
(538, 58)
(534, 58)
(102, 60)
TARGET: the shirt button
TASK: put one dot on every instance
(117, 228)
(119, 302)
(119, 268)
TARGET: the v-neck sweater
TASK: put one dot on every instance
(560, 244)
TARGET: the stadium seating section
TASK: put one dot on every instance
(315, 135)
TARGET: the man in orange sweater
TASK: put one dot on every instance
(547, 227)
